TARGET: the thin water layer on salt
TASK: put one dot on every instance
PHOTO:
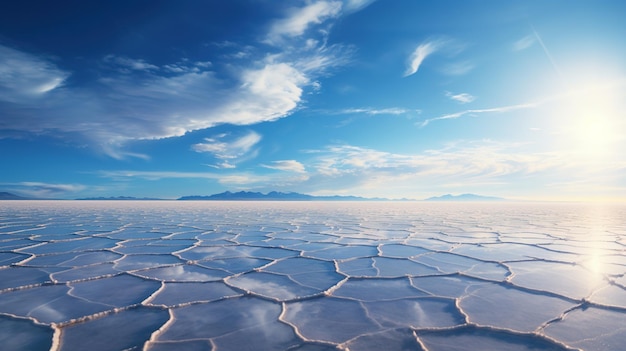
(124, 330)
(246, 323)
(591, 328)
(610, 295)
(72, 259)
(73, 245)
(183, 273)
(416, 313)
(462, 339)
(235, 265)
(452, 263)
(502, 306)
(95, 271)
(312, 276)
(174, 294)
(8, 258)
(330, 319)
(559, 278)
(377, 289)
(48, 304)
(388, 340)
(273, 286)
(15, 277)
(136, 262)
(128, 290)
(23, 334)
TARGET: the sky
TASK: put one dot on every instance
(388, 98)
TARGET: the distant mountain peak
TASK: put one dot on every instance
(274, 196)
(9, 196)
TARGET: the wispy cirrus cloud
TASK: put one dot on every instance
(286, 165)
(419, 55)
(378, 111)
(229, 151)
(524, 43)
(245, 180)
(126, 64)
(135, 99)
(300, 19)
(356, 5)
(24, 76)
(481, 111)
(470, 164)
(43, 190)
(463, 98)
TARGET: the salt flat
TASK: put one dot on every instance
(118, 275)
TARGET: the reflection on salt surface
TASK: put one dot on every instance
(503, 306)
(311, 276)
(125, 330)
(23, 334)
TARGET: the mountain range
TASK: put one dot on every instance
(8, 196)
(275, 196)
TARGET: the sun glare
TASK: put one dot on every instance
(594, 126)
(590, 120)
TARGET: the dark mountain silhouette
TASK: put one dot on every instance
(119, 198)
(9, 196)
(275, 196)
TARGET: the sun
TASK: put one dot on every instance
(595, 123)
(592, 121)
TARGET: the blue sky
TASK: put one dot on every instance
(388, 98)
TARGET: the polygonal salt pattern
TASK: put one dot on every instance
(311, 276)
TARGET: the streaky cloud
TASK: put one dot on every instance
(480, 111)
(229, 178)
(356, 5)
(24, 76)
(470, 163)
(132, 98)
(378, 111)
(126, 63)
(419, 55)
(463, 98)
(229, 151)
(525, 42)
(43, 189)
(299, 20)
(286, 165)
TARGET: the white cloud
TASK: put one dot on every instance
(524, 43)
(24, 76)
(300, 19)
(136, 99)
(380, 111)
(419, 54)
(154, 103)
(43, 190)
(126, 63)
(480, 111)
(463, 98)
(240, 179)
(287, 165)
(365, 171)
(356, 5)
(268, 93)
(226, 151)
